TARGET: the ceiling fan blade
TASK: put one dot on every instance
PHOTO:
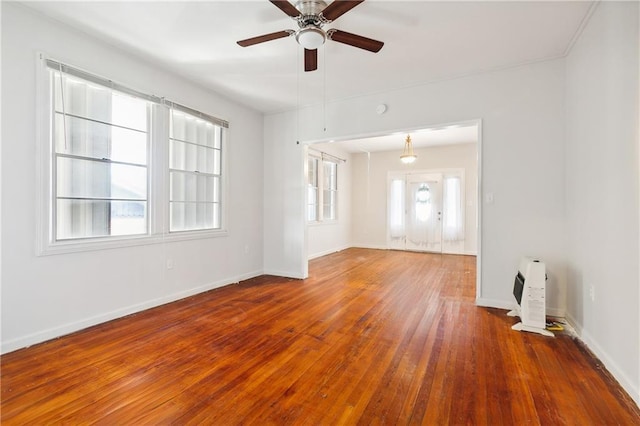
(310, 59)
(339, 8)
(355, 40)
(265, 37)
(286, 7)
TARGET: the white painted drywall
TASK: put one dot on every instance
(331, 236)
(370, 174)
(602, 188)
(522, 113)
(44, 297)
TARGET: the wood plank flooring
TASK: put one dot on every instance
(371, 337)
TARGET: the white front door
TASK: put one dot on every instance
(424, 212)
(415, 212)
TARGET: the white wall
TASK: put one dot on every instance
(370, 174)
(522, 112)
(602, 189)
(331, 236)
(44, 297)
(285, 236)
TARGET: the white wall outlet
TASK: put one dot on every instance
(169, 263)
(488, 198)
(592, 293)
(246, 249)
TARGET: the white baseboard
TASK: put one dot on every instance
(494, 303)
(612, 367)
(54, 332)
(284, 274)
(248, 276)
(556, 312)
(502, 304)
(326, 252)
(384, 247)
(370, 246)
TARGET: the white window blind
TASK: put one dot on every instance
(396, 208)
(313, 194)
(100, 157)
(329, 190)
(119, 167)
(195, 172)
(453, 226)
(322, 187)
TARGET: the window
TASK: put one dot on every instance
(396, 208)
(313, 194)
(118, 166)
(330, 190)
(100, 160)
(322, 188)
(423, 205)
(453, 226)
(195, 170)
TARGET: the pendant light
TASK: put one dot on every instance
(408, 156)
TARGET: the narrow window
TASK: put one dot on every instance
(330, 190)
(453, 227)
(195, 173)
(396, 208)
(312, 189)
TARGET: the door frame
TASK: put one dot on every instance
(443, 173)
(401, 131)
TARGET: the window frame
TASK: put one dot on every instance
(157, 172)
(321, 159)
(330, 190)
(220, 176)
(57, 155)
(316, 203)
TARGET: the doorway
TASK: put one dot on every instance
(415, 212)
(441, 151)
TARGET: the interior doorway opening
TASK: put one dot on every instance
(431, 220)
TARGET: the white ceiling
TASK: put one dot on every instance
(424, 41)
(423, 138)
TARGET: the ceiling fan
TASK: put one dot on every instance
(311, 16)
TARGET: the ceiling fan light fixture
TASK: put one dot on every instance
(408, 156)
(310, 37)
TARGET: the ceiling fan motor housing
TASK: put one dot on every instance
(310, 8)
(311, 16)
(311, 35)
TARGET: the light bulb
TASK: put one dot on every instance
(310, 37)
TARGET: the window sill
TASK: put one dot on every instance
(77, 246)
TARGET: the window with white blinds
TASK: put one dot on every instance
(322, 189)
(313, 194)
(119, 165)
(195, 171)
(330, 190)
(101, 148)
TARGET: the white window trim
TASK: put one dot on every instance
(317, 201)
(320, 220)
(158, 184)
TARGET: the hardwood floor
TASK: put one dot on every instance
(371, 337)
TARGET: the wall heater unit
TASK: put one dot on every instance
(529, 291)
